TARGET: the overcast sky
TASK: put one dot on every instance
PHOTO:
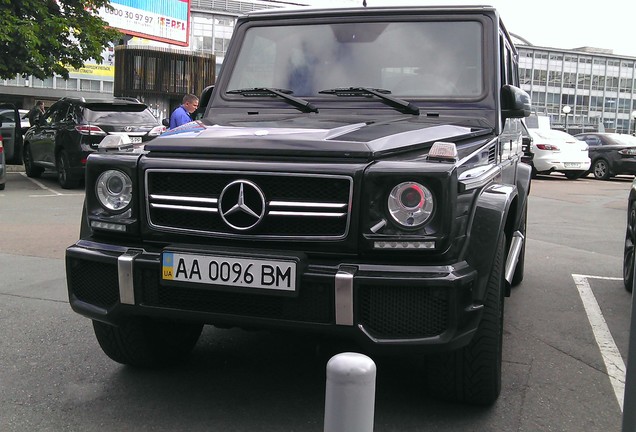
(566, 24)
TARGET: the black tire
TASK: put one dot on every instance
(601, 169)
(628, 253)
(517, 277)
(473, 374)
(64, 176)
(2, 186)
(29, 168)
(146, 342)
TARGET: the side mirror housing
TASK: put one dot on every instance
(206, 95)
(515, 103)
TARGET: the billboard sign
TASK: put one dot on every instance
(161, 20)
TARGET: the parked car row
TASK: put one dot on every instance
(604, 155)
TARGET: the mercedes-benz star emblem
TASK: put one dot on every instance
(242, 205)
(128, 128)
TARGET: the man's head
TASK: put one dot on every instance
(40, 104)
(190, 103)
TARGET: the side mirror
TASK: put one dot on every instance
(515, 103)
(166, 122)
(206, 95)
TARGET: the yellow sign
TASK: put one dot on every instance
(94, 69)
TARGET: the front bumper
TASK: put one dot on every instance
(386, 308)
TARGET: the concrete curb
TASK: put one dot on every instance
(15, 168)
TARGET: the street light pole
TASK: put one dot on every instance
(634, 121)
(566, 110)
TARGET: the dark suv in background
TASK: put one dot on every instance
(72, 128)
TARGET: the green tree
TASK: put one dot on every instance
(44, 37)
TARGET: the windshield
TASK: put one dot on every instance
(122, 115)
(417, 59)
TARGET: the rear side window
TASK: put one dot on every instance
(121, 114)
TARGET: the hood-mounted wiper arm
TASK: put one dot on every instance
(284, 94)
(399, 104)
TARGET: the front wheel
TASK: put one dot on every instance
(147, 342)
(473, 374)
(628, 252)
(601, 169)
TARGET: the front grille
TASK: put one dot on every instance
(390, 312)
(249, 204)
(93, 282)
(314, 303)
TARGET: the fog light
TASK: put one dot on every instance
(404, 245)
(108, 226)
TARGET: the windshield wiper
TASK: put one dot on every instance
(284, 94)
(400, 104)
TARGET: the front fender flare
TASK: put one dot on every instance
(488, 224)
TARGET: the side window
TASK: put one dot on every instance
(509, 74)
(594, 141)
(7, 116)
(60, 113)
(504, 60)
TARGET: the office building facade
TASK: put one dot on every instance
(598, 87)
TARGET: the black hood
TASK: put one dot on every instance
(312, 136)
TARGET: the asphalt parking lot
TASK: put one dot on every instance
(561, 373)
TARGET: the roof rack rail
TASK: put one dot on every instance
(126, 98)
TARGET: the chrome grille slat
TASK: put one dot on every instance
(299, 206)
(184, 208)
(305, 214)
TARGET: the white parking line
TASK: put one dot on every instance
(611, 356)
(41, 185)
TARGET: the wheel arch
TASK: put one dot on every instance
(499, 209)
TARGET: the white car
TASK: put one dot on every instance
(557, 151)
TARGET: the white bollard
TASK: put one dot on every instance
(350, 393)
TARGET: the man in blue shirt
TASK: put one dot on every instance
(182, 114)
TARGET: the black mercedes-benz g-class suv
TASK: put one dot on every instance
(357, 173)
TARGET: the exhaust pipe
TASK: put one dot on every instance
(513, 255)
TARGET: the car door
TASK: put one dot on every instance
(45, 134)
(11, 133)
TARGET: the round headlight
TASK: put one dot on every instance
(411, 204)
(114, 190)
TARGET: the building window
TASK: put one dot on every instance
(569, 80)
(220, 46)
(540, 77)
(611, 83)
(598, 83)
(584, 81)
(525, 75)
(554, 79)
